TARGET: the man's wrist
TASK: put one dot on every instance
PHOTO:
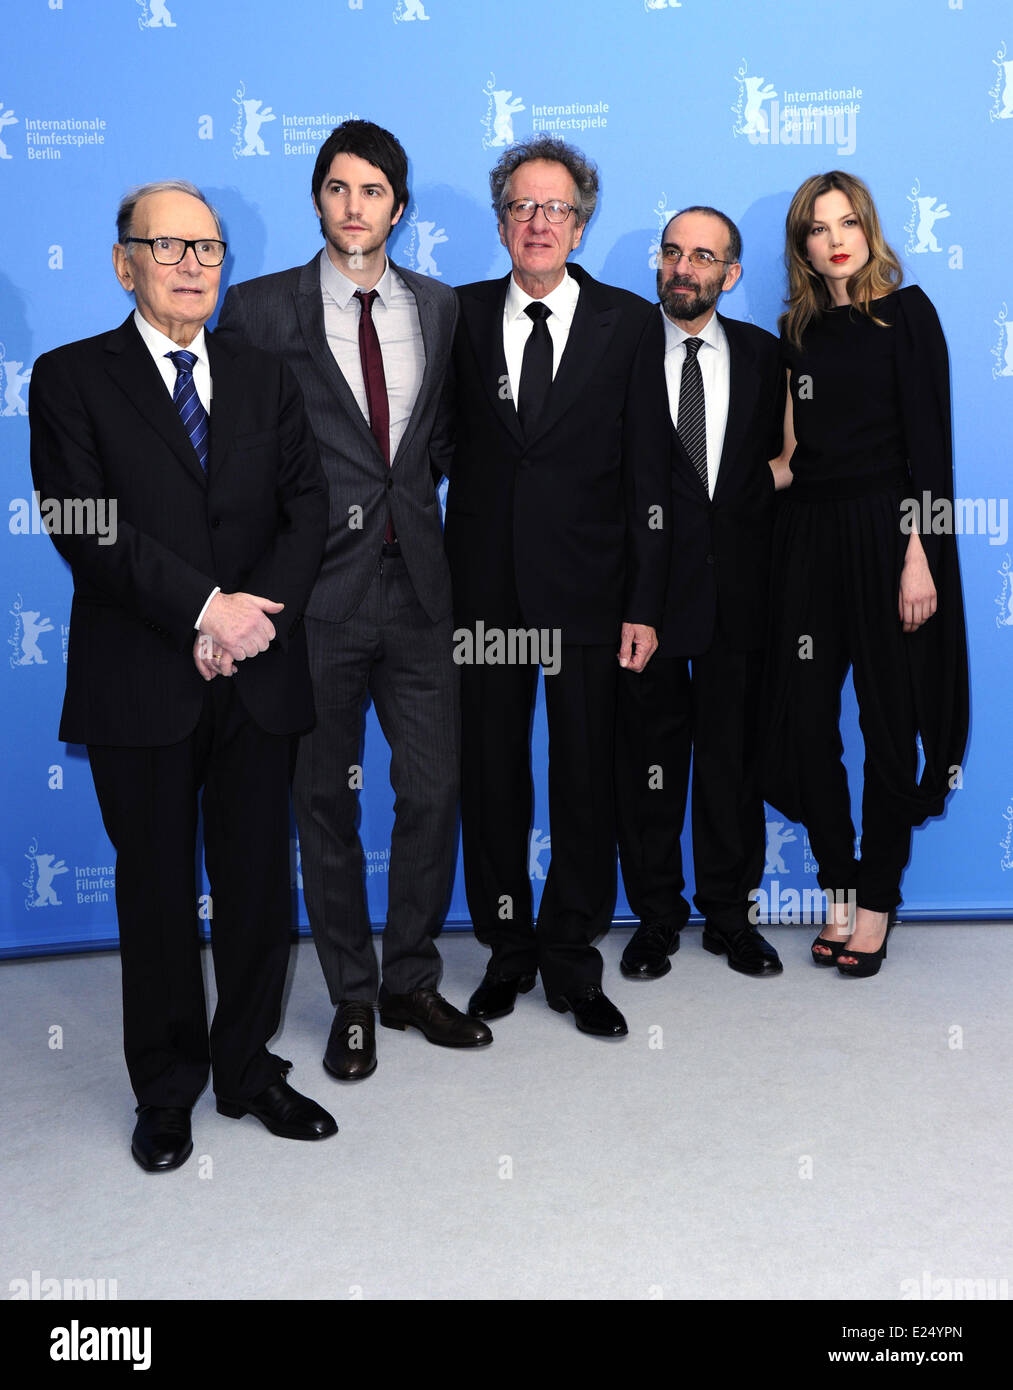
(207, 604)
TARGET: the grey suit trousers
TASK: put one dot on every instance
(391, 651)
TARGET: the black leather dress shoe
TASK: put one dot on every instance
(350, 1054)
(595, 1014)
(435, 1019)
(285, 1112)
(646, 955)
(161, 1139)
(745, 948)
(497, 995)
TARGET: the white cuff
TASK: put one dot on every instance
(200, 615)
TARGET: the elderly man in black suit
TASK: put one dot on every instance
(558, 538)
(725, 394)
(369, 342)
(220, 519)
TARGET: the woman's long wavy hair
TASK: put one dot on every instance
(807, 294)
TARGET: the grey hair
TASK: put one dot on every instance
(549, 147)
(128, 204)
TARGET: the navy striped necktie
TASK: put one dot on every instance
(187, 402)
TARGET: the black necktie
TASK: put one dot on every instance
(536, 368)
(187, 402)
(692, 424)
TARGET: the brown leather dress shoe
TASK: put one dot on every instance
(435, 1019)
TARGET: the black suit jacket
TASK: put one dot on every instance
(721, 548)
(284, 314)
(104, 426)
(557, 530)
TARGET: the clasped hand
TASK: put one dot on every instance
(235, 628)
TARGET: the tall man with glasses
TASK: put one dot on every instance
(558, 538)
(186, 671)
(369, 342)
(725, 396)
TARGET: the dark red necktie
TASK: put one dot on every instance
(375, 383)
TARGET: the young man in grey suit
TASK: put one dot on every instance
(369, 343)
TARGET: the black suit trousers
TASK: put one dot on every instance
(497, 806)
(239, 775)
(707, 706)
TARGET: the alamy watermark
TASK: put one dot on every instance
(512, 646)
(39, 1288)
(64, 516)
(964, 516)
(808, 125)
(789, 907)
(931, 1286)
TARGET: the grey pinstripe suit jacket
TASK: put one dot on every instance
(283, 313)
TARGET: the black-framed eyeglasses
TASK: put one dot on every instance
(170, 250)
(673, 254)
(523, 209)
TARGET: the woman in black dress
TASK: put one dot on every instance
(860, 578)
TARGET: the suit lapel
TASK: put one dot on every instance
(427, 323)
(130, 365)
(743, 383)
(687, 465)
(593, 324)
(226, 394)
(483, 316)
(681, 457)
(309, 308)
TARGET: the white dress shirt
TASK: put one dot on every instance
(715, 369)
(562, 301)
(396, 317)
(158, 345)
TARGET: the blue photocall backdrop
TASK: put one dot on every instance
(703, 101)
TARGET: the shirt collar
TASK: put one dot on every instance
(158, 344)
(336, 284)
(562, 300)
(712, 333)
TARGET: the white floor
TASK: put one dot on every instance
(805, 1136)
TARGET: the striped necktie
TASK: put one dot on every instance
(692, 424)
(187, 402)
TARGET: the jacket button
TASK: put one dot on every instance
(215, 524)
(710, 559)
(390, 484)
